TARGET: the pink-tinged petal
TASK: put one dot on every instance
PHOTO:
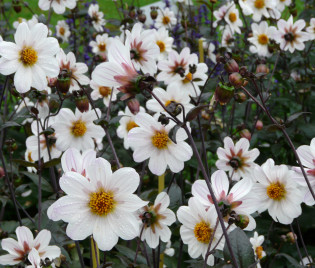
(82, 186)
(125, 180)
(200, 190)
(9, 50)
(222, 154)
(163, 200)
(220, 182)
(241, 188)
(25, 237)
(104, 235)
(42, 240)
(34, 258)
(23, 79)
(12, 246)
(88, 158)
(119, 53)
(306, 156)
(99, 173)
(71, 160)
(104, 74)
(22, 35)
(228, 144)
(51, 252)
(242, 144)
(8, 260)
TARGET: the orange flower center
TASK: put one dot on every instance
(203, 232)
(188, 78)
(78, 128)
(29, 157)
(166, 20)
(28, 56)
(105, 91)
(102, 203)
(259, 4)
(131, 125)
(263, 39)
(161, 45)
(62, 30)
(276, 191)
(259, 250)
(232, 17)
(102, 46)
(160, 140)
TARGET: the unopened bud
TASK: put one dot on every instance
(16, 6)
(245, 133)
(231, 66)
(224, 93)
(34, 110)
(153, 13)
(291, 237)
(82, 103)
(64, 81)
(259, 125)
(242, 221)
(142, 18)
(243, 71)
(236, 80)
(262, 68)
(2, 174)
(240, 97)
(174, 108)
(163, 119)
(133, 105)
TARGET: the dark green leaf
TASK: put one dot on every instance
(34, 177)
(293, 261)
(130, 254)
(193, 113)
(51, 163)
(172, 133)
(295, 116)
(24, 163)
(241, 247)
(9, 124)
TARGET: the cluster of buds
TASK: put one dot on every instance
(133, 13)
(289, 237)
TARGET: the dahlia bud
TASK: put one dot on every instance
(262, 68)
(240, 97)
(224, 93)
(231, 66)
(291, 237)
(153, 13)
(132, 13)
(142, 18)
(236, 80)
(163, 119)
(16, 6)
(259, 125)
(2, 174)
(243, 71)
(241, 221)
(52, 82)
(174, 108)
(245, 133)
(64, 81)
(82, 103)
(133, 105)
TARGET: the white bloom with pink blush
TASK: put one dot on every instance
(236, 159)
(156, 219)
(143, 50)
(97, 17)
(227, 38)
(220, 14)
(31, 57)
(311, 29)
(277, 191)
(18, 250)
(281, 4)
(103, 206)
(307, 157)
(290, 35)
(151, 141)
(76, 69)
(59, 7)
(119, 71)
(198, 227)
(234, 199)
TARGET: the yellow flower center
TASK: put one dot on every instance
(160, 140)
(102, 203)
(78, 128)
(259, 250)
(276, 191)
(263, 39)
(28, 56)
(29, 157)
(62, 30)
(166, 20)
(102, 46)
(259, 4)
(161, 45)
(203, 232)
(105, 91)
(131, 125)
(232, 17)
(167, 103)
(188, 78)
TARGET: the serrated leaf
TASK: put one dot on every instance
(241, 248)
(193, 113)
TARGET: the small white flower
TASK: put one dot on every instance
(257, 242)
(290, 35)
(210, 51)
(58, 6)
(281, 4)
(165, 18)
(76, 130)
(100, 45)
(31, 57)
(227, 38)
(76, 69)
(156, 219)
(311, 29)
(247, 10)
(233, 19)
(126, 123)
(164, 42)
(261, 38)
(276, 191)
(26, 242)
(101, 92)
(97, 17)
(220, 14)
(261, 8)
(104, 207)
(62, 30)
(151, 140)
(236, 159)
(197, 229)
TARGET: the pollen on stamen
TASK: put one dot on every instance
(28, 56)
(102, 203)
(203, 232)
(276, 191)
(160, 140)
(78, 128)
